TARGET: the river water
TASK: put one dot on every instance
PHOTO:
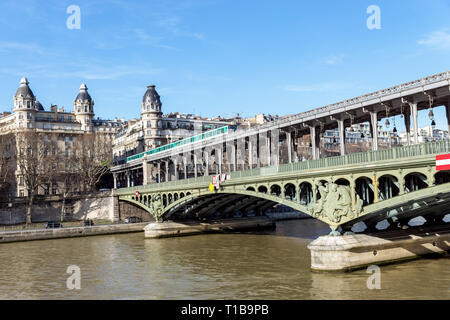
(262, 265)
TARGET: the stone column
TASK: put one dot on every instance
(315, 141)
(175, 169)
(185, 168)
(167, 170)
(414, 115)
(289, 146)
(250, 153)
(159, 172)
(115, 180)
(374, 127)
(341, 129)
(408, 127)
(233, 157)
(275, 147)
(447, 111)
(195, 165)
(145, 170)
(219, 156)
(128, 179)
(206, 163)
(268, 150)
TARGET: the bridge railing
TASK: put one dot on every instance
(403, 152)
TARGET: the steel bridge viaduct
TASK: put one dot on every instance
(396, 183)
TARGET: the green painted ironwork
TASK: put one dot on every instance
(403, 152)
(338, 204)
(196, 138)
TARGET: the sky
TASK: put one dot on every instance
(219, 57)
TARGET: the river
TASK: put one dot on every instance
(255, 265)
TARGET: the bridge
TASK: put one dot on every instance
(263, 170)
(397, 184)
(212, 176)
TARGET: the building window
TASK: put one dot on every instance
(21, 193)
(20, 116)
(54, 189)
(28, 115)
(21, 181)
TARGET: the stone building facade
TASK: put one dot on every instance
(62, 127)
(155, 129)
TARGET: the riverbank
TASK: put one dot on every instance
(58, 233)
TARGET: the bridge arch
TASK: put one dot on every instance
(342, 182)
(306, 193)
(388, 186)
(442, 177)
(262, 189)
(290, 191)
(365, 190)
(415, 181)
(275, 189)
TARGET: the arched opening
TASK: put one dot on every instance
(342, 182)
(262, 189)
(188, 194)
(140, 198)
(275, 190)
(415, 181)
(182, 195)
(145, 200)
(250, 189)
(442, 177)
(306, 193)
(364, 188)
(388, 187)
(175, 197)
(289, 192)
(170, 198)
(164, 200)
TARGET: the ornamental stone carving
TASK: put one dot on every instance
(157, 207)
(336, 202)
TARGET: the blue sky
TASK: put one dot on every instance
(217, 57)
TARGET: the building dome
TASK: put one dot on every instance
(151, 96)
(83, 95)
(38, 106)
(24, 90)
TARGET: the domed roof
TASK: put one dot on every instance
(38, 106)
(151, 96)
(83, 95)
(24, 90)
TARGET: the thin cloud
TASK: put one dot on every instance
(172, 24)
(146, 39)
(7, 46)
(439, 40)
(334, 59)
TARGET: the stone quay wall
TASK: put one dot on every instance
(99, 205)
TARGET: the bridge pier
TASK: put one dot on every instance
(168, 229)
(356, 251)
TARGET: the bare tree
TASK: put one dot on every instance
(36, 162)
(94, 158)
(6, 163)
(67, 173)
